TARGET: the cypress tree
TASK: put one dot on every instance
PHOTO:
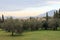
(47, 17)
(59, 13)
(56, 17)
(2, 18)
(45, 24)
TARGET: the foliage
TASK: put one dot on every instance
(17, 26)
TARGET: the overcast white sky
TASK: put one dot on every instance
(22, 8)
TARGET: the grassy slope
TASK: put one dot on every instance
(34, 35)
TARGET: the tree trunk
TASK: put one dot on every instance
(12, 33)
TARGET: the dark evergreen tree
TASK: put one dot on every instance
(47, 17)
(56, 18)
(2, 18)
(45, 23)
(59, 13)
(56, 14)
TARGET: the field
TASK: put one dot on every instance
(34, 35)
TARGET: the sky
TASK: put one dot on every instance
(23, 8)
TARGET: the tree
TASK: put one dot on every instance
(47, 17)
(2, 18)
(45, 24)
(18, 26)
(59, 13)
(56, 18)
(56, 14)
(13, 25)
(26, 25)
(1, 21)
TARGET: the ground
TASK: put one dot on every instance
(34, 35)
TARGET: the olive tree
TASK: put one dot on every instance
(13, 25)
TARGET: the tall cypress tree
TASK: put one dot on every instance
(59, 13)
(56, 14)
(47, 17)
(2, 18)
(45, 24)
(56, 17)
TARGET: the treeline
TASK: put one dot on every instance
(18, 26)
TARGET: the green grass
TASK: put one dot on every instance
(34, 35)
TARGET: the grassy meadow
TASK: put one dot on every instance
(32, 35)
